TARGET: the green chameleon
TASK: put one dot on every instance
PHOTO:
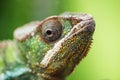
(48, 49)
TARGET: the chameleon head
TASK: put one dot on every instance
(54, 46)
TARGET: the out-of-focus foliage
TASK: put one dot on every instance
(102, 62)
(14, 13)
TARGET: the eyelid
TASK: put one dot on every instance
(53, 25)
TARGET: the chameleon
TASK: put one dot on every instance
(47, 50)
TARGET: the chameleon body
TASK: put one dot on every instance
(48, 49)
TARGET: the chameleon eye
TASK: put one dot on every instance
(51, 30)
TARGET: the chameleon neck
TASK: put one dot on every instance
(9, 48)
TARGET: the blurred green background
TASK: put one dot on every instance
(103, 60)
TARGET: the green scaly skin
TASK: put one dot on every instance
(35, 58)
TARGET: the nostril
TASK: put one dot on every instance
(90, 27)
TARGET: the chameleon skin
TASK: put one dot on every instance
(54, 58)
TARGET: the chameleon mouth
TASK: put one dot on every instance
(85, 26)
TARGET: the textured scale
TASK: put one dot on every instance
(48, 49)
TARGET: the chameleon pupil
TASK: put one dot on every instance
(49, 32)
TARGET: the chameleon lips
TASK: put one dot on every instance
(81, 32)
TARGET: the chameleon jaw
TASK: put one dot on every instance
(80, 28)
